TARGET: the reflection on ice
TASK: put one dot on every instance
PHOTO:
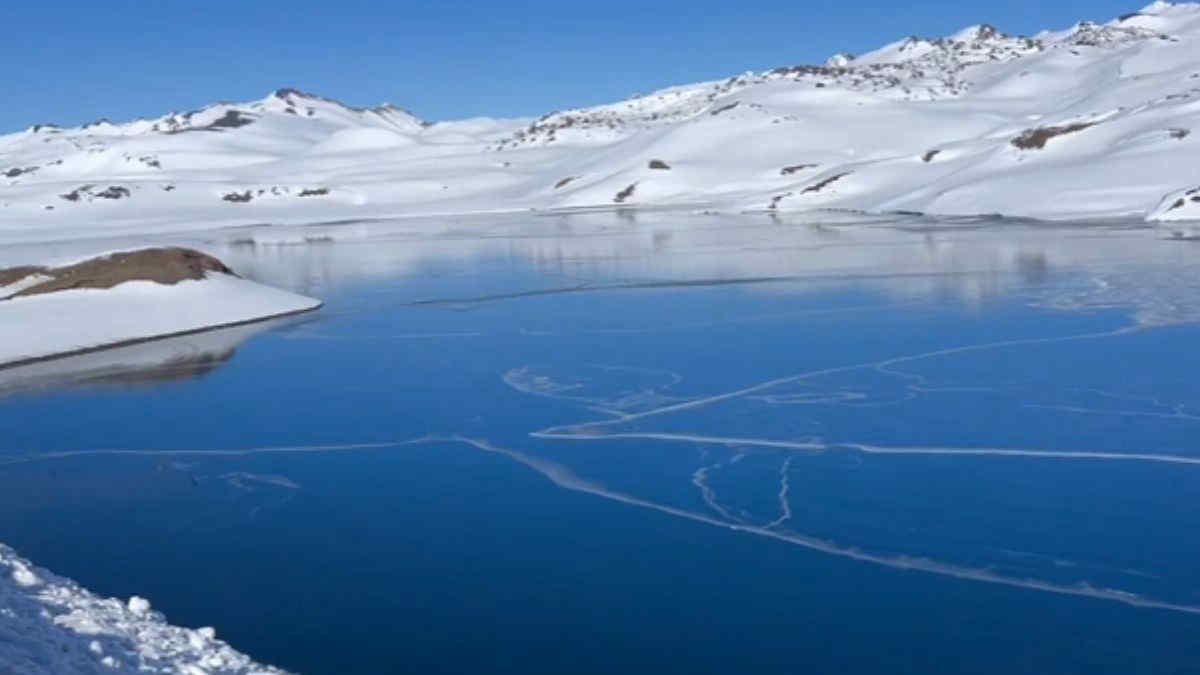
(969, 260)
(153, 362)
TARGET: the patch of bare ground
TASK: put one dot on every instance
(625, 194)
(564, 182)
(725, 108)
(660, 165)
(232, 119)
(113, 192)
(1036, 138)
(14, 274)
(789, 170)
(928, 157)
(167, 266)
(817, 187)
(88, 192)
(1192, 195)
(249, 194)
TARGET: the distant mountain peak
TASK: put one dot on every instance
(290, 94)
(839, 60)
(294, 99)
(975, 121)
(223, 116)
(979, 32)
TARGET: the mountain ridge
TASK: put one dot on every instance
(1094, 120)
(976, 40)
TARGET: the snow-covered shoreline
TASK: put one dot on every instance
(50, 625)
(77, 320)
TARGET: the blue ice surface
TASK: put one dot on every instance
(578, 554)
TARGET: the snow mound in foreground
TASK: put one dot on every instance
(50, 626)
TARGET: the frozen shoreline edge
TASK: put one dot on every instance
(121, 298)
(5, 365)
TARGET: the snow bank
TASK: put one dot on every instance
(51, 626)
(70, 321)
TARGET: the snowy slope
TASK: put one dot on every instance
(51, 626)
(1093, 120)
(60, 323)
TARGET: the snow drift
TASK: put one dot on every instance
(50, 625)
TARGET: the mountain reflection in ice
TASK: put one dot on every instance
(143, 364)
(434, 261)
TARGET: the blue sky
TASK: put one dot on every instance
(72, 62)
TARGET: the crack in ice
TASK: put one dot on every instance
(700, 480)
(785, 507)
(565, 478)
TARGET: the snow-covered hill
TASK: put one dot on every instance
(1091, 121)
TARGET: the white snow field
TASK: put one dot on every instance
(1091, 121)
(51, 626)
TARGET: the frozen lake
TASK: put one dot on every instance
(650, 442)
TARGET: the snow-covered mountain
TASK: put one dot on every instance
(1091, 121)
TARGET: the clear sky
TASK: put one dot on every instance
(71, 62)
